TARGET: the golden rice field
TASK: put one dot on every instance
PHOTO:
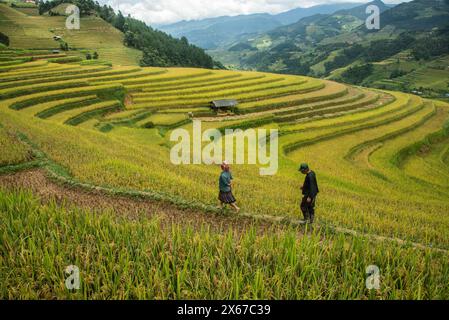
(28, 29)
(382, 161)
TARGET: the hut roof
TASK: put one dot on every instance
(224, 103)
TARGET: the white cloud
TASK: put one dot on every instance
(168, 11)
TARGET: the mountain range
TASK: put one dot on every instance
(213, 33)
(412, 43)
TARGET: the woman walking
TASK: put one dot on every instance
(225, 185)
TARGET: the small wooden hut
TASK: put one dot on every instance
(223, 105)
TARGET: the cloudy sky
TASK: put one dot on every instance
(169, 11)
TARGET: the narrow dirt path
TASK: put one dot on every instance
(37, 182)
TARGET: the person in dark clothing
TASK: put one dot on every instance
(309, 191)
(225, 187)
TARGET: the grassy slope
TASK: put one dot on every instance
(34, 31)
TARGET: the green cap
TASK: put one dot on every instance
(303, 166)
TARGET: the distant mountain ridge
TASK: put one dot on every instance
(327, 25)
(217, 32)
(295, 15)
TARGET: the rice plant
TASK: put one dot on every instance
(381, 158)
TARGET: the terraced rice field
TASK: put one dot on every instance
(429, 78)
(17, 152)
(381, 157)
(27, 29)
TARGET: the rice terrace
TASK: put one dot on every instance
(87, 119)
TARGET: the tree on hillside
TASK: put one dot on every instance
(151, 58)
(130, 39)
(119, 21)
(432, 45)
(185, 41)
(356, 74)
(4, 39)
